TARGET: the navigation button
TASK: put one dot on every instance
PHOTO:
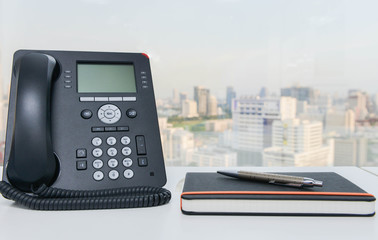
(109, 114)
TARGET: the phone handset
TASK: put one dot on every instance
(31, 160)
(32, 167)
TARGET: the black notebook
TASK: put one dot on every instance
(215, 194)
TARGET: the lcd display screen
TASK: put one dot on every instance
(105, 78)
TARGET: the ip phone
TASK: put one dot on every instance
(82, 132)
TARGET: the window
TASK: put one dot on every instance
(307, 65)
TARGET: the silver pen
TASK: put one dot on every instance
(279, 179)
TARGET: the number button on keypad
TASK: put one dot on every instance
(126, 151)
(112, 163)
(128, 173)
(98, 175)
(112, 152)
(125, 140)
(98, 164)
(111, 141)
(113, 174)
(97, 152)
(127, 162)
(96, 141)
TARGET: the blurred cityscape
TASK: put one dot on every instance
(300, 127)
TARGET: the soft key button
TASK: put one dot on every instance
(115, 99)
(101, 99)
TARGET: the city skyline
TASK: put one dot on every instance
(220, 139)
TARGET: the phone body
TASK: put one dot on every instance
(82, 121)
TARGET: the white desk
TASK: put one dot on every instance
(167, 222)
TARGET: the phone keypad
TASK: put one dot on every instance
(114, 152)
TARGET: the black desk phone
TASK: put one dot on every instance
(82, 132)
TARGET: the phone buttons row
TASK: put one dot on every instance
(97, 152)
(96, 141)
(113, 174)
(98, 163)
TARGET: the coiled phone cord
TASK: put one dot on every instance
(48, 198)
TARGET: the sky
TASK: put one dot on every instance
(331, 45)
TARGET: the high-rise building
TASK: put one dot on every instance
(340, 122)
(356, 151)
(189, 109)
(263, 92)
(297, 143)
(176, 143)
(300, 93)
(358, 101)
(183, 97)
(231, 94)
(252, 125)
(213, 157)
(212, 106)
(201, 96)
(175, 97)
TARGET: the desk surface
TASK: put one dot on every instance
(167, 222)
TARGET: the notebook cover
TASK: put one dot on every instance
(217, 186)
